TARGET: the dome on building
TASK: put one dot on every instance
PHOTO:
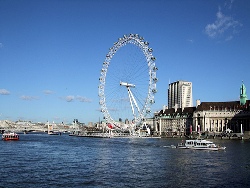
(243, 94)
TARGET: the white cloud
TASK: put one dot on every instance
(28, 98)
(4, 92)
(83, 99)
(190, 40)
(229, 4)
(224, 26)
(71, 98)
(1, 45)
(113, 109)
(229, 38)
(48, 92)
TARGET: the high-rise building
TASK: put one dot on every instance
(180, 94)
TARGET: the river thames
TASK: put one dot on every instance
(41, 160)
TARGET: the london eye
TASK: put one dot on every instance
(127, 82)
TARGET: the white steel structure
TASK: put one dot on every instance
(127, 82)
(180, 94)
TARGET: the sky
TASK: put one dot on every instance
(51, 51)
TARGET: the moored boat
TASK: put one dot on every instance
(10, 136)
(200, 144)
(51, 129)
(182, 146)
(54, 133)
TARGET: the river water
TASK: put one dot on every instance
(41, 160)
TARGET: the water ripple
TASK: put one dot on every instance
(41, 160)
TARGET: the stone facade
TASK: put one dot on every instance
(209, 117)
(217, 117)
(174, 121)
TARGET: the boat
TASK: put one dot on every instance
(54, 133)
(200, 144)
(10, 136)
(182, 146)
(51, 129)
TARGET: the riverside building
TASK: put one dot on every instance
(211, 118)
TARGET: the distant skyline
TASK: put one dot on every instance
(51, 52)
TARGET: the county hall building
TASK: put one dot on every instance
(211, 118)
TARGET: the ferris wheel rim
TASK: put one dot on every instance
(139, 41)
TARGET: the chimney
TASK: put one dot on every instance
(164, 107)
(175, 107)
(198, 102)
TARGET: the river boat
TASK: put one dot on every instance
(51, 129)
(182, 146)
(54, 133)
(10, 136)
(200, 144)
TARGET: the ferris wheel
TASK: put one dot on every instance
(127, 81)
